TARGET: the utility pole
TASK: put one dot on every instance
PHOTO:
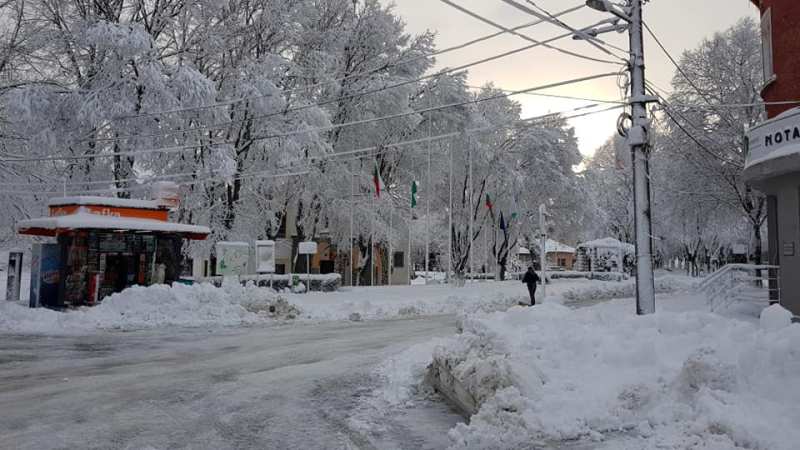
(638, 140)
(640, 152)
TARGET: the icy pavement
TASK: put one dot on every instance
(287, 387)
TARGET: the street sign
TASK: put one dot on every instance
(307, 248)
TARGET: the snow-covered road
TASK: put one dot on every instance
(279, 387)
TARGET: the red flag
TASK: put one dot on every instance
(377, 180)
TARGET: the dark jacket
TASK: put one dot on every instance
(530, 278)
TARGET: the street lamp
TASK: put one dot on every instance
(607, 6)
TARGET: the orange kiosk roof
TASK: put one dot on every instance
(105, 213)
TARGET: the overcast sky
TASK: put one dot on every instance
(679, 24)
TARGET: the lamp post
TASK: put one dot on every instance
(637, 138)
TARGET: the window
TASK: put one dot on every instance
(766, 45)
(399, 260)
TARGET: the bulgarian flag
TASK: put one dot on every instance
(377, 181)
(413, 194)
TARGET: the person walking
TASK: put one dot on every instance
(530, 279)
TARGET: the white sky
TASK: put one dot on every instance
(679, 24)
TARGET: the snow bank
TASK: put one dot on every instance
(155, 306)
(604, 291)
(676, 379)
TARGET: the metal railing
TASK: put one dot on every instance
(742, 283)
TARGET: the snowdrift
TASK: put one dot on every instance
(675, 380)
(155, 306)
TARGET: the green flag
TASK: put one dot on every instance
(413, 194)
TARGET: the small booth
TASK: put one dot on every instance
(605, 255)
(103, 245)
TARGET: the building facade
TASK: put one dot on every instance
(773, 159)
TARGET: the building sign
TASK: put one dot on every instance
(773, 139)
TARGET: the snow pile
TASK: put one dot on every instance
(673, 380)
(605, 291)
(775, 317)
(155, 306)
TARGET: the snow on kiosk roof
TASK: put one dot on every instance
(52, 226)
(104, 213)
(608, 243)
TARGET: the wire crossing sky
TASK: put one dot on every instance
(680, 24)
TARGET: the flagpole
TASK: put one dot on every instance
(428, 192)
(471, 208)
(450, 220)
(485, 252)
(410, 259)
(390, 259)
(372, 243)
(352, 202)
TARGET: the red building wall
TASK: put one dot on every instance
(785, 53)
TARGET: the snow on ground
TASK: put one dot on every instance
(601, 376)
(234, 305)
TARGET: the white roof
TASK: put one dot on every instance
(552, 246)
(94, 221)
(523, 251)
(232, 244)
(104, 201)
(609, 243)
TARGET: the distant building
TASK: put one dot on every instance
(559, 256)
(604, 255)
(773, 159)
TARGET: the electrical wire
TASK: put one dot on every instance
(593, 41)
(356, 153)
(669, 112)
(174, 149)
(285, 111)
(684, 74)
(349, 76)
(523, 36)
(542, 94)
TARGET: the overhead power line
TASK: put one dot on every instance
(523, 36)
(683, 73)
(566, 97)
(182, 148)
(592, 40)
(349, 76)
(337, 157)
(357, 95)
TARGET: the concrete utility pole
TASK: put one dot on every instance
(640, 152)
(637, 138)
